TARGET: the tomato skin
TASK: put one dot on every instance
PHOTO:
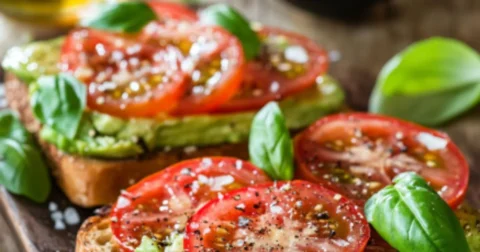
(184, 187)
(80, 55)
(258, 201)
(456, 163)
(227, 86)
(261, 76)
(212, 61)
(173, 11)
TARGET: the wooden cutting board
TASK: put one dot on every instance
(358, 49)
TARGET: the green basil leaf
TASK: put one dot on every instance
(438, 77)
(429, 109)
(148, 245)
(270, 146)
(22, 168)
(12, 128)
(129, 17)
(228, 18)
(59, 102)
(411, 216)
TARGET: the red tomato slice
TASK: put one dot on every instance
(358, 154)
(284, 216)
(173, 11)
(163, 202)
(378, 244)
(213, 61)
(289, 63)
(125, 78)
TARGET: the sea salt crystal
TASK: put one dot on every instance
(56, 215)
(52, 206)
(71, 216)
(60, 225)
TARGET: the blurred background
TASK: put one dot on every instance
(360, 35)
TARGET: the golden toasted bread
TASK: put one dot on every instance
(95, 235)
(90, 182)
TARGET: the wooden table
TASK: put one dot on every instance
(359, 49)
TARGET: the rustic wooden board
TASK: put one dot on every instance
(359, 48)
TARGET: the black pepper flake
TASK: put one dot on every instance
(256, 205)
(257, 194)
(262, 231)
(322, 216)
(197, 232)
(332, 233)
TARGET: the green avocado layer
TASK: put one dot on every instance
(105, 136)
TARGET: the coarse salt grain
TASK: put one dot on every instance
(71, 216)
(59, 225)
(52, 206)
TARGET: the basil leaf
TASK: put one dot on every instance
(12, 128)
(270, 146)
(22, 168)
(411, 216)
(59, 102)
(128, 17)
(438, 77)
(429, 109)
(228, 18)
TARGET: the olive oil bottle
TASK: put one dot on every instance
(62, 13)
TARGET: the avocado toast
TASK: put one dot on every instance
(227, 204)
(110, 150)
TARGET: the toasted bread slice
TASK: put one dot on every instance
(90, 182)
(95, 235)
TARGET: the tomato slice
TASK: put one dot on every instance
(213, 61)
(125, 78)
(289, 63)
(284, 216)
(378, 244)
(358, 154)
(163, 202)
(173, 11)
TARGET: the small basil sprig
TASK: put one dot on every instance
(128, 17)
(228, 18)
(59, 102)
(430, 82)
(22, 168)
(411, 216)
(270, 146)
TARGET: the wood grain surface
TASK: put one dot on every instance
(358, 47)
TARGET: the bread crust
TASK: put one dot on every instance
(95, 235)
(90, 182)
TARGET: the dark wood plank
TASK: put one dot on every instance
(361, 47)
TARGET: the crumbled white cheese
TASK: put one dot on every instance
(431, 142)
(296, 54)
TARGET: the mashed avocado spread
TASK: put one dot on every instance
(105, 136)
